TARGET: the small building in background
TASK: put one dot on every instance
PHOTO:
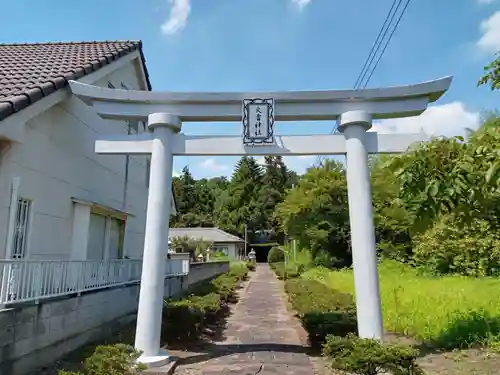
(226, 243)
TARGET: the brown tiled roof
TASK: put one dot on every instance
(29, 72)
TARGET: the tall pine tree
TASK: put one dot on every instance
(240, 204)
(275, 183)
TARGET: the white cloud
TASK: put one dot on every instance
(490, 28)
(177, 19)
(448, 119)
(301, 3)
(210, 165)
(175, 173)
(260, 160)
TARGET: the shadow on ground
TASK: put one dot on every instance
(212, 351)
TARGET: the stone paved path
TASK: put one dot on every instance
(261, 338)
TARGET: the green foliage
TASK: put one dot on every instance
(446, 312)
(186, 318)
(272, 192)
(275, 255)
(471, 249)
(321, 310)
(190, 245)
(251, 265)
(315, 213)
(431, 182)
(354, 355)
(118, 359)
(441, 207)
(249, 197)
(240, 204)
(465, 330)
(491, 75)
(392, 220)
(287, 271)
(239, 270)
(195, 200)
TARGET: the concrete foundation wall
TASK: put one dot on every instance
(34, 336)
(204, 271)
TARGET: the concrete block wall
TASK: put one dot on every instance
(204, 271)
(34, 336)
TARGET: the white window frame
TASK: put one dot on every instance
(81, 252)
(23, 223)
(107, 236)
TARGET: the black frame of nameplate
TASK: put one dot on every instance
(252, 141)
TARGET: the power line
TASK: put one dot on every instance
(396, 4)
(376, 44)
(387, 42)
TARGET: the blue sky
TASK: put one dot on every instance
(250, 45)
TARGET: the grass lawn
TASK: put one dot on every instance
(448, 312)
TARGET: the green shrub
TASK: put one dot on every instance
(322, 311)
(370, 357)
(119, 359)
(287, 271)
(251, 265)
(275, 255)
(467, 329)
(182, 320)
(239, 269)
(186, 318)
(225, 286)
(469, 250)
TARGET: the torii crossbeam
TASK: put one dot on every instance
(165, 112)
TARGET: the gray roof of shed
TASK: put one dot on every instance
(208, 234)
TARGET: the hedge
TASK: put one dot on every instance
(187, 318)
(275, 255)
(323, 311)
(287, 271)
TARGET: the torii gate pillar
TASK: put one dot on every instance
(149, 315)
(354, 125)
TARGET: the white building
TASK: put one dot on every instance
(59, 200)
(221, 241)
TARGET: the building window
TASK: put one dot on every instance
(106, 237)
(116, 238)
(21, 228)
(222, 249)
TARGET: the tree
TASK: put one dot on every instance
(196, 200)
(274, 185)
(316, 213)
(392, 220)
(239, 205)
(492, 74)
(184, 192)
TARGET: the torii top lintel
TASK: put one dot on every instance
(381, 103)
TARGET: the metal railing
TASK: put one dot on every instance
(27, 280)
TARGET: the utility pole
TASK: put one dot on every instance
(246, 231)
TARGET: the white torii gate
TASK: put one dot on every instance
(165, 113)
